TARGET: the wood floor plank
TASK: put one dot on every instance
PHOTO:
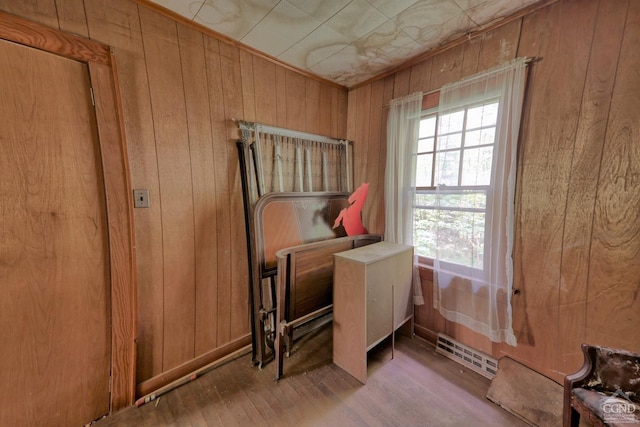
(416, 388)
(206, 403)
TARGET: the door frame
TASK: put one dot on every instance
(115, 166)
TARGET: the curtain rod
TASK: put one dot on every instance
(526, 61)
(431, 92)
(258, 127)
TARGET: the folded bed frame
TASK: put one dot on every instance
(294, 186)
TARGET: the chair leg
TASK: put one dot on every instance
(570, 417)
(575, 418)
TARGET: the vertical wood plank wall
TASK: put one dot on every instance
(578, 189)
(180, 89)
(577, 244)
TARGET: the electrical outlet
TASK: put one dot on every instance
(140, 198)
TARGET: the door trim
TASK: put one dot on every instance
(113, 151)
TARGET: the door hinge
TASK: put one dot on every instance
(93, 99)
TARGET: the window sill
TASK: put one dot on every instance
(425, 263)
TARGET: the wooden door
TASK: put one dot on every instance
(54, 266)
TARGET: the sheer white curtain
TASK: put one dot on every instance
(400, 175)
(477, 292)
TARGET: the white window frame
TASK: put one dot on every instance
(433, 112)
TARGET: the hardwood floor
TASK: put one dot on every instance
(417, 388)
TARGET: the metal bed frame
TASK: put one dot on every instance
(294, 185)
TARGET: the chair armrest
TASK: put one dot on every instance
(588, 366)
(576, 380)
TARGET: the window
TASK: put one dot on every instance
(453, 192)
(453, 177)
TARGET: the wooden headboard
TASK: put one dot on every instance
(283, 220)
(280, 221)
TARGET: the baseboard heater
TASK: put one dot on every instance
(467, 356)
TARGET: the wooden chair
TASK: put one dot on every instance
(606, 390)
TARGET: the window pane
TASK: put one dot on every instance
(476, 168)
(425, 145)
(459, 237)
(453, 234)
(488, 136)
(447, 168)
(424, 232)
(472, 138)
(425, 199)
(423, 170)
(461, 199)
(427, 127)
(451, 122)
(484, 115)
(480, 137)
(450, 141)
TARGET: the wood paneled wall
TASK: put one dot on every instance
(180, 89)
(578, 189)
(577, 244)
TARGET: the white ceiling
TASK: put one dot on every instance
(345, 41)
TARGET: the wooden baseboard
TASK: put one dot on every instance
(192, 367)
(426, 334)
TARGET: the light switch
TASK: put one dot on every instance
(140, 198)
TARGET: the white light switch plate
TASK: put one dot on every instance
(140, 198)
